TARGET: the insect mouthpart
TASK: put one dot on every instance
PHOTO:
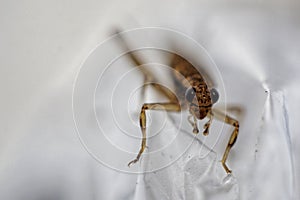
(198, 112)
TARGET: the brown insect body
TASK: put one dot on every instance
(185, 76)
(191, 92)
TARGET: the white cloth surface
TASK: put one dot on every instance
(43, 44)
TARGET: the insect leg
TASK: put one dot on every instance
(229, 120)
(193, 122)
(151, 106)
(149, 78)
(148, 75)
(207, 124)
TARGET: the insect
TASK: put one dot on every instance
(191, 92)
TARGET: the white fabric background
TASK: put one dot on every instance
(43, 44)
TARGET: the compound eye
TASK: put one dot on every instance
(214, 95)
(190, 94)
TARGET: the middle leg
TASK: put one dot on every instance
(229, 120)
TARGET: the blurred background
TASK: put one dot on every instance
(44, 46)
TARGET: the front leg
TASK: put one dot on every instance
(152, 106)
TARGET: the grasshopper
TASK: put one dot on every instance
(191, 92)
